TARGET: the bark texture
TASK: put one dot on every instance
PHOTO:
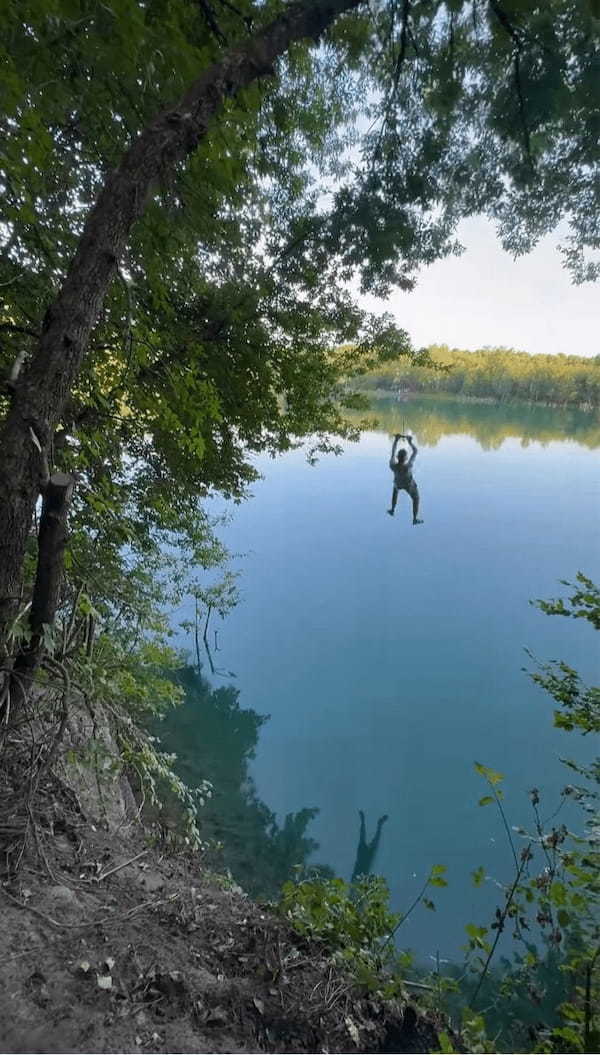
(52, 540)
(44, 385)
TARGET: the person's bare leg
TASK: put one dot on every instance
(415, 503)
(394, 500)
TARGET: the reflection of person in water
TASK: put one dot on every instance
(403, 477)
(365, 854)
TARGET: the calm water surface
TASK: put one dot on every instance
(389, 657)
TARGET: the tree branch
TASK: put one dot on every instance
(500, 927)
(16, 367)
(403, 40)
(19, 329)
(48, 378)
(246, 19)
(517, 40)
(405, 35)
(211, 21)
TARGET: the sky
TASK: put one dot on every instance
(485, 297)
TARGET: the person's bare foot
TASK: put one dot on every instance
(416, 521)
(390, 512)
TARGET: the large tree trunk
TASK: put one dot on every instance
(42, 391)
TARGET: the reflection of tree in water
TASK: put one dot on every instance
(215, 739)
(490, 424)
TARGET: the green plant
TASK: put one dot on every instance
(551, 904)
(356, 923)
(114, 642)
(576, 900)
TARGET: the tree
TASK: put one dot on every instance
(190, 314)
(214, 738)
(501, 373)
(41, 391)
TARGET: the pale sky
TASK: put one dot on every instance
(484, 297)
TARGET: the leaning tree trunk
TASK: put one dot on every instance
(43, 388)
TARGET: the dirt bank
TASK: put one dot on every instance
(111, 945)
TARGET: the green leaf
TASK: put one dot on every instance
(490, 775)
(477, 935)
(558, 893)
(478, 876)
(446, 1045)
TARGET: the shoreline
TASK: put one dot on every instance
(405, 395)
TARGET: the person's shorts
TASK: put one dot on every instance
(411, 489)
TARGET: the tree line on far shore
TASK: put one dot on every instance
(501, 374)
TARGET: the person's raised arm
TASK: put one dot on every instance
(413, 448)
(393, 454)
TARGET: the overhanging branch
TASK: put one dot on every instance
(517, 40)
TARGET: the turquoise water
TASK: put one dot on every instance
(389, 657)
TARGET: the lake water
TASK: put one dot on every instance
(389, 657)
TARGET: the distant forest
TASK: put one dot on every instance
(500, 374)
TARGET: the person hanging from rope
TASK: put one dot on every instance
(403, 477)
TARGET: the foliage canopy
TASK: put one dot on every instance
(355, 162)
